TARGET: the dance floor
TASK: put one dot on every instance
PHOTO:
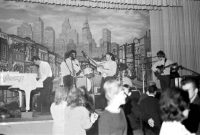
(37, 125)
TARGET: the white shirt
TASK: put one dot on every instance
(44, 71)
(173, 128)
(166, 71)
(68, 65)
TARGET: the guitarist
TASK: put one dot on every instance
(161, 70)
(108, 70)
(70, 69)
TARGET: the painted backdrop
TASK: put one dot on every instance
(63, 28)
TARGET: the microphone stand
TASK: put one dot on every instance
(181, 77)
(187, 69)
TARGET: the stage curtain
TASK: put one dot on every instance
(113, 4)
(176, 31)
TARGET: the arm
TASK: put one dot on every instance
(154, 67)
(77, 66)
(86, 121)
(125, 131)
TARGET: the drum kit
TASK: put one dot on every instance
(89, 79)
(92, 79)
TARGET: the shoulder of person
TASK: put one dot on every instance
(81, 109)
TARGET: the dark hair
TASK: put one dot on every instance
(89, 102)
(191, 80)
(75, 97)
(68, 54)
(152, 89)
(72, 51)
(111, 55)
(172, 103)
(35, 58)
(161, 54)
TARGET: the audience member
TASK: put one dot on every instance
(132, 112)
(77, 117)
(150, 110)
(174, 106)
(58, 111)
(112, 120)
(192, 122)
(191, 86)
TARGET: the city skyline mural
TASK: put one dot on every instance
(63, 28)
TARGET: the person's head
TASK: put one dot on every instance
(174, 104)
(75, 97)
(110, 56)
(151, 90)
(191, 86)
(66, 55)
(35, 60)
(114, 92)
(60, 95)
(72, 54)
(161, 55)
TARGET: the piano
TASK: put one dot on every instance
(24, 81)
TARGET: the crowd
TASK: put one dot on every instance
(128, 112)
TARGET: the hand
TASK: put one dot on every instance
(93, 117)
(151, 122)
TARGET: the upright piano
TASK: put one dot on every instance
(24, 81)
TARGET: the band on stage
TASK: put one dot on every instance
(92, 74)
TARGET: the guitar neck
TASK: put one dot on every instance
(91, 61)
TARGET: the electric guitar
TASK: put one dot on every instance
(161, 69)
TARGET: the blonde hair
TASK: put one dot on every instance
(111, 87)
(75, 97)
(60, 95)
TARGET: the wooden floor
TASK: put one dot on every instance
(37, 125)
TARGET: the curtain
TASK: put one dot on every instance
(176, 31)
(113, 4)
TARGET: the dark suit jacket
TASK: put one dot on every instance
(196, 100)
(150, 109)
(192, 122)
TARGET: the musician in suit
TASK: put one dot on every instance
(70, 68)
(162, 70)
(45, 76)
